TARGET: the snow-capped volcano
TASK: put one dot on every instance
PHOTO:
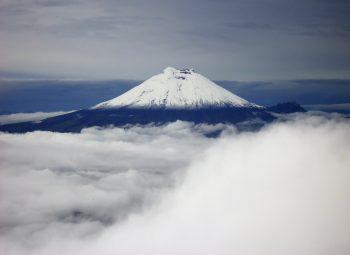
(167, 97)
(181, 89)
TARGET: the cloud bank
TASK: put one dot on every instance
(171, 190)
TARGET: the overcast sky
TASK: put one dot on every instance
(134, 39)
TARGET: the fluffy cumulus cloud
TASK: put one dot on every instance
(172, 190)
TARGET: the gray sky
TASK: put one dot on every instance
(134, 39)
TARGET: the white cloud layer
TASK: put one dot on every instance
(171, 190)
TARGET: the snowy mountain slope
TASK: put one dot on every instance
(177, 89)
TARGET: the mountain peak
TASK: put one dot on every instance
(177, 88)
(178, 73)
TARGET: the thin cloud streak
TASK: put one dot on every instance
(24, 117)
